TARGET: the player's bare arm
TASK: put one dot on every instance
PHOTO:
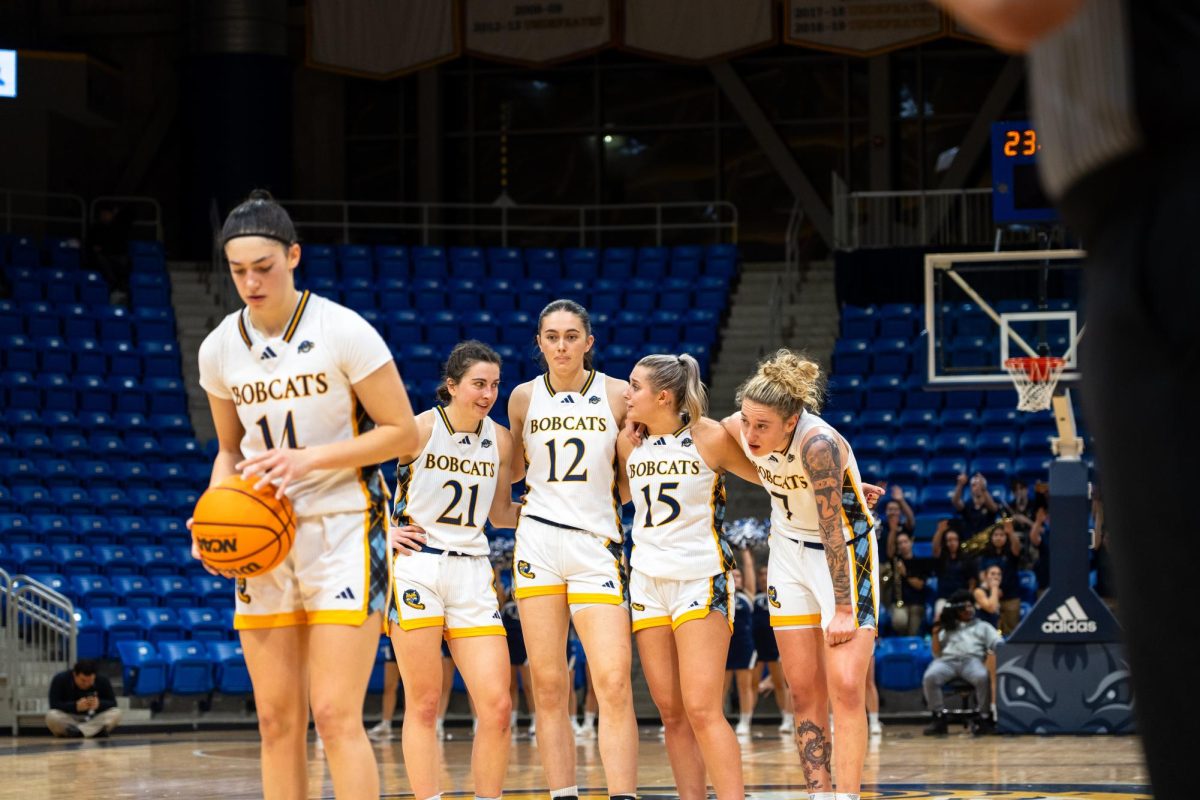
(503, 513)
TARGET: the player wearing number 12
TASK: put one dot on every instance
(567, 559)
(454, 480)
(681, 586)
(305, 395)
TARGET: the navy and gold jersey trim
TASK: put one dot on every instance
(441, 410)
(288, 333)
(296, 315)
(682, 428)
(587, 384)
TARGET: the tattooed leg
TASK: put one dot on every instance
(816, 754)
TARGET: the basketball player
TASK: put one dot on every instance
(823, 570)
(568, 547)
(681, 585)
(305, 394)
(768, 651)
(447, 487)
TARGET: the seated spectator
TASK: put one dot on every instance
(988, 596)
(1004, 550)
(952, 568)
(963, 647)
(979, 511)
(82, 703)
(898, 514)
(910, 573)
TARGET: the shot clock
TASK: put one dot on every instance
(1017, 194)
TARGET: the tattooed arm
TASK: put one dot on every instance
(822, 457)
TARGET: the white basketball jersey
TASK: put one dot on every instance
(448, 489)
(570, 453)
(296, 390)
(793, 502)
(679, 506)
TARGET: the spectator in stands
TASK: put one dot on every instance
(988, 596)
(898, 514)
(1020, 507)
(963, 647)
(953, 570)
(1004, 550)
(1102, 554)
(1039, 545)
(82, 703)
(978, 512)
(910, 572)
(108, 250)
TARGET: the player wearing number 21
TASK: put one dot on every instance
(305, 394)
(567, 558)
(681, 583)
(455, 479)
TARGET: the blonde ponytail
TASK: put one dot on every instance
(787, 382)
(679, 375)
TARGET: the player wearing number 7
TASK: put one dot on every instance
(681, 582)
(567, 559)
(305, 394)
(823, 574)
(455, 479)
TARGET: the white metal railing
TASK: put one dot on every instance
(146, 213)
(958, 217)
(7, 646)
(56, 212)
(438, 223)
(39, 642)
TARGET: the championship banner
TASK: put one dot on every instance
(860, 27)
(697, 31)
(381, 38)
(536, 34)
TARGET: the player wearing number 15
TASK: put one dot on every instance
(305, 395)
(681, 586)
(453, 481)
(567, 558)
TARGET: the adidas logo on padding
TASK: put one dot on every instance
(1069, 618)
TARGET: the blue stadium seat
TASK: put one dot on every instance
(89, 640)
(581, 263)
(12, 524)
(155, 560)
(230, 674)
(701, 325)
(20, 389)
(203, 623)
(19, 472)
(110, 499)
(876, 446)
(1034, 441)
(927, 521)
(944, 469)
(392, 261)
(135, 591)
(54, 529)
(116, 324)
(499, 295)
(159, 624)
(115, 559)
(884, 391)
(170, 530)
(912, 444)
(95, 396)
(675, 294)
(964, 399)
(859, 322)
(959, 419)
(30, 558)
(403, 326)
(33, 498)
(877, 422)
(900, 662)
(629, 329)
(214, 590)
(174, 591)
(479, 325)
(711, 293)
(189, 668)
(1004, 418)
(118, 624)
(542, 263)
(143, 672)
(74, 559)
(995, 468)
(996, 443)
(53, 581)
(34, 443)
(1032, 468)
(908, 472)
(506, 263)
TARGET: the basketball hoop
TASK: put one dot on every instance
(1035, 379)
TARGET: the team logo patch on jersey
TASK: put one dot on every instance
(637, 606)
(524, 571)
(486, 443)
(242, 594)
(791, 457)
(772, 597)
(305, 346)
(686, 442)
(412, 599)
(593, 399)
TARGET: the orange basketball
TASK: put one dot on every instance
(240, 530)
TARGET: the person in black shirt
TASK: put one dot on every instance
(82, 703)
(910, 572)
(1108, 80)
(979, 510)
(953, 570)
(1004, 550)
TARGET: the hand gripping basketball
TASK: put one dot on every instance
(240, 530)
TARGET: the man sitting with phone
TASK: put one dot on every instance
(82, 703)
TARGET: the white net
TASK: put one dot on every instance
(1035, 379)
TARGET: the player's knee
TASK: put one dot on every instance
(702, 713)
(847, 688)
(422, 707)
(334, 720)
(672, 713)
(275, 724)
(494, 711)
(612, 686)
(550, 691)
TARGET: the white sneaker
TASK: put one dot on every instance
(787, 725)
(742, 729)
(381, 732)
(440, 729)
(320, 745)
(875, 728)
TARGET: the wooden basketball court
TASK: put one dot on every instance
(901, 764)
